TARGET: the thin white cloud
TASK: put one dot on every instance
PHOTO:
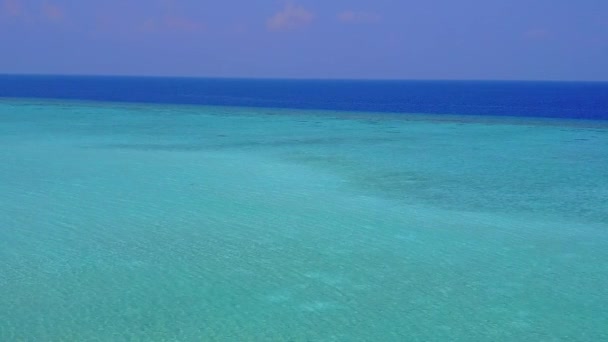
(350, 16)
(32, 12)
(172, 23)
(12, 8)
(52, 12)
(289, 18)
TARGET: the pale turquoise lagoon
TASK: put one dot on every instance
(123, 222)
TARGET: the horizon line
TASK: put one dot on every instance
(303, 78)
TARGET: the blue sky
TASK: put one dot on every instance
(387, 39)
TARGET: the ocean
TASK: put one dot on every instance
(166, 209)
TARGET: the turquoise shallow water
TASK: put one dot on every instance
(164, 223)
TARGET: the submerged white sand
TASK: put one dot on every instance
(139, 222)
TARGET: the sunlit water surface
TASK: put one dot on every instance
(174, 223)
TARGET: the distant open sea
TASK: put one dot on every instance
(183, 209)
(572, 100)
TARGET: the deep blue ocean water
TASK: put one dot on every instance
(572, 100)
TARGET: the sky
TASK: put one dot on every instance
(363, 39)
